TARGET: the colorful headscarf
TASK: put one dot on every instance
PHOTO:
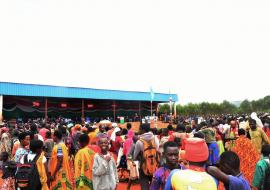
(113, 136)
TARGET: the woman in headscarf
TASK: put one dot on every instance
(5, 145)
(59, 167)
(248, 155)
(84, 165)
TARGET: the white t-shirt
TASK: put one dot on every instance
(225, 127)
(40, 137)
(243, 125)
(30, 157)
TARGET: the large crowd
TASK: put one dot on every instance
(196, 153)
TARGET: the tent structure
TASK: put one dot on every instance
(19, 100)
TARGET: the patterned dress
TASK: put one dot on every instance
(63, 176)
(8, 184)
(83, 169)
(248, 156)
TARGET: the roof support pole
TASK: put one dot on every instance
(157, 109)
(140, 114)
(175, 111)
(46, 109)
(171, 109)
(114, 111)
(1, 108)
(83, 110)
(151, 108)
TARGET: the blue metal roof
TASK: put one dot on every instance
(19, 89)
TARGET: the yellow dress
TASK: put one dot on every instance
(42, 172)
(83, 169)
(63, 176)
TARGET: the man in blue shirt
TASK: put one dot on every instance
(229, 172)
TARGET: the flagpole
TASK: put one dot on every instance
(175, 111)
(151, 98)
(140, 113)
(114, 111)
(151, 108)
(170, 105)
(46, 109)
(83, 110)
(1, 108)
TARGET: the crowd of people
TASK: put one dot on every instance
(203, 153)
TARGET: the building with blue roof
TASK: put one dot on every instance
(19, 100)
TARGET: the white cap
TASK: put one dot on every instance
(114, 125)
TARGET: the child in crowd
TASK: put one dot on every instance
(104, 168)
(9, 169)
(171, 156)
(229, 172)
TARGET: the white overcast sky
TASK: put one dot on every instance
(202, 50)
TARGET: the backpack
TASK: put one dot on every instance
(27, 176)
(150, 157)
(123, 162)
(266, 181)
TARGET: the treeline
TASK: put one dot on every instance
(205, 108)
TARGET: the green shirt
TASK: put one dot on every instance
(261, 167)
(209, 134)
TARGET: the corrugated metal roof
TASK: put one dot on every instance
(19, 89)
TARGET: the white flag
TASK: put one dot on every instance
(152, 94)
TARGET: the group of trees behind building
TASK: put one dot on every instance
(226, 107)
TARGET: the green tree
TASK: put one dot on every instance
(266, 103)
(164, 108)
(206, 108)
(181, 110)
(245, 107)
(227, 107)
(192, 109)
